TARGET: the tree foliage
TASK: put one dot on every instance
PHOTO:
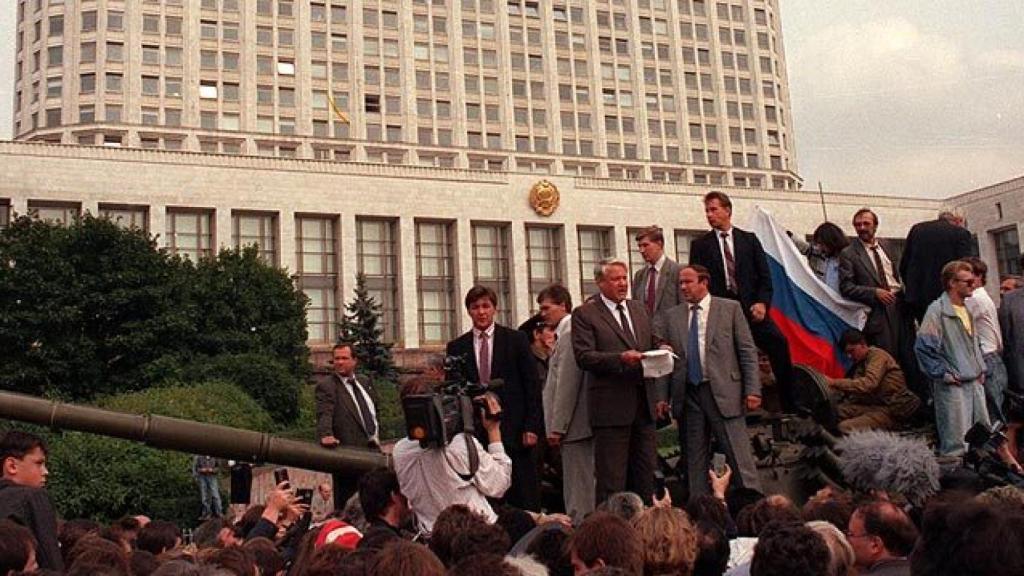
(92, 309)
(361, 326)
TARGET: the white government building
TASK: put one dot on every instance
(422, 143)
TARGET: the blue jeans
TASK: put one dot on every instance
(209, 492)
(957, 408)
(996, 381)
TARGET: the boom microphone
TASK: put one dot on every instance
(877, 460)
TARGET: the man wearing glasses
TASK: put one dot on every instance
(882, 537)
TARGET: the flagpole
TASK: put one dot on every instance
(821, 194)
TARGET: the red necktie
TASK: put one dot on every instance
(484, 365)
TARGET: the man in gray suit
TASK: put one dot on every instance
(609, 336)
(715, 380)
(346, 413)
(657, 283)
(566, 414)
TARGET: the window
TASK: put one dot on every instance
(62, 213)
(543, 258)
(1007, 244)
(189, 233)
(435, 282)
(87, 83)
(594, 244)
(491, 264)
(249, 228)
(377, 260)
(208, 91)
(5, 214)
(113, 83)
(127, 217)
(89, 21)
(316, 258)
(683, 239)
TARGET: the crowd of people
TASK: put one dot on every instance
(587, 387)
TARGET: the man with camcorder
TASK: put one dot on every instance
(436, 473)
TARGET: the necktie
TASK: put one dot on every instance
(652, 278)
(625, 322)
(364, 409)
(881, 270)
(730, 264)
(694, 372)
(484, 364)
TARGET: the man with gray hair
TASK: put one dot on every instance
(930, 246)
(609, 336)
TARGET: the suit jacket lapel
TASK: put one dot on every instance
(714, 318)
(348, 402)
(717, 264)
(498, 352)
(605, 313)
(869, 262)
(664, 281)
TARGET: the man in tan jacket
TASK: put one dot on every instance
(874, 395)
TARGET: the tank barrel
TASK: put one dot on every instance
(187, 436)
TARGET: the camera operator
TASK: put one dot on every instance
(430, 477)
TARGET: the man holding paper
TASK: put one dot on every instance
(715, 380)
(609, 336)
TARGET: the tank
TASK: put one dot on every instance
(169, 433)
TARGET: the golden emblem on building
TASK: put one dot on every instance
(544, 198)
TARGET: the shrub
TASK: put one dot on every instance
(103, 478)
(265, 379)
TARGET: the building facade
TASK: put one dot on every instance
(995, 215)
(422, 236)
(684, 91)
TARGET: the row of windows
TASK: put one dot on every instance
(191, 233)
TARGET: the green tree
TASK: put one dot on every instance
(361, 326)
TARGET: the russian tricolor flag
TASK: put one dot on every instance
(809, 313)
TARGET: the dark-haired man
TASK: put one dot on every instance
(566, 413)
(739, 271)
(346, 413)
(874, 392)
(714, 382)
(22, 496)
(606, 540)
(384, 506)
(656, 284)
(492, 352)
(882, 537)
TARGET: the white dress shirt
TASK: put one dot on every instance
(613, 308)
(369, 401)
(657, 276)
(986, 321)
(428, 478)
(890, 276)
(730, 240)
(702, 328)
(490, 343)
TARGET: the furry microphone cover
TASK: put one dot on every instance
(876, 460)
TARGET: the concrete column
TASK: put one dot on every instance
(158, 223)
(571, 259)
(286, 241)
(464, 276)
(348, 264)
(519, 270)
(407, 282)
(222, 229)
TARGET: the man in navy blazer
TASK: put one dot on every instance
(739, 271)
(494, 352)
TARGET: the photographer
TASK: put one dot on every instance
(430, 477)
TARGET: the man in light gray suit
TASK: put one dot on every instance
(566, 414)
(715, 380)
(657, 283)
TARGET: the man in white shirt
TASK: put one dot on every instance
(986, 322)
(430, 477)
(346, 413)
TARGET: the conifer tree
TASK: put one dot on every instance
(361, 325)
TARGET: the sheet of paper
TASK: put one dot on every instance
(657, 363)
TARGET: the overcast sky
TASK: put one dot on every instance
(907, 98)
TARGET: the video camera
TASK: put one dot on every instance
(435, 419)
(982, 456)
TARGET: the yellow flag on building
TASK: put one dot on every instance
(337, 111)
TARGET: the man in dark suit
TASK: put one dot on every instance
(609, 336)
(714, 381)
(496, 352)
(346, 413)
(656, 284)
(739, 271)
(867, 275)
(1011, 323)
(930, 246)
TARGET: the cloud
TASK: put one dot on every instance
(884, 106)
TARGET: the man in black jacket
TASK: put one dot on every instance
(930, 246)
(739, 271)
(22, 497)
(494, 352)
